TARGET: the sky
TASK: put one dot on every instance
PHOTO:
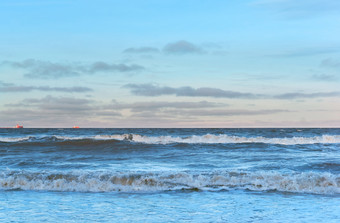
(170, 63)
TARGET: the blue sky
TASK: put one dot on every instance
(251, 63)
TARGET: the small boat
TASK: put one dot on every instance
(19, 126)
(76, 127)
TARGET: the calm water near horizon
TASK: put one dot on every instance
(170, 175)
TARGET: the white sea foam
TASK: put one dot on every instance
(194, 139)
(316, 183)
(214, 139)
(14, 139)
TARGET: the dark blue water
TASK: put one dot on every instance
(155, 175)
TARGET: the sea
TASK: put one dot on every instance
(170, 175)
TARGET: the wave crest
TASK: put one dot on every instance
(214, 139)
(194, 139)
(316, 183)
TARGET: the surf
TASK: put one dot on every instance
(97, 181)
(169, 139)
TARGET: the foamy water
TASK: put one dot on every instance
(317, 183)
(214, 139)
(153, 175)
(194, 139)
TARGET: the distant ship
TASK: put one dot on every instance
(76, 127)
(19, 126)
(15, 127)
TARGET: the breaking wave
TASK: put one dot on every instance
(214, 139)
(315, 183)
(194, 139)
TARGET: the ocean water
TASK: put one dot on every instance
(170, 175)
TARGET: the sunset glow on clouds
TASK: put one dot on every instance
(263, 63)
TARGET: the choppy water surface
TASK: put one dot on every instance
(153, 175)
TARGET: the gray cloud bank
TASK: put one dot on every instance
(46, 69)
(52, 109)
(154, 90)
(8, 87)
(60, 104)
(186, 110)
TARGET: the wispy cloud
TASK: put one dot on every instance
(44, 69)
(331, 63)
(311, 51)
(141, 50)
(60, 106)
(182, 47)
(56, 110)
(154, 90)
(9, 87)
(307, 95)
(227, 112)
(324, 77)
(191, 110)
(107, 67)
(49, 111)
(47, 69)
(161, 105)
